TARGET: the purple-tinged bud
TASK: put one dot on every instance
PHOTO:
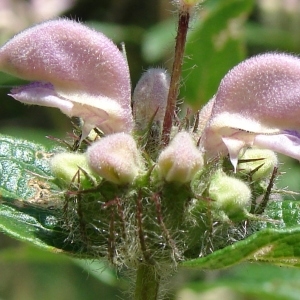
(80, 71)
(116, 158)
(150, 98)
(257, 103)
(180, 160)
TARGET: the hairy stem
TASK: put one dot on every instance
(182, 29)
(147, 282)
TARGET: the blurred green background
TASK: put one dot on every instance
(223, 32)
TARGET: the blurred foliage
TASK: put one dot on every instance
(211, 45)
(148, 30)
(28, 273)
(244, 282)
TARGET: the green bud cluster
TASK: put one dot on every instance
(130, 208)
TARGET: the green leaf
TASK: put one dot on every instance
(277, 242)
(24, 252)
(214, 46)
(29, 200)
(266, 281)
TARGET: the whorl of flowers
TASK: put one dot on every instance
(148, 197)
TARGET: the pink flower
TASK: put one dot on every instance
(257, 104)
(76, 69)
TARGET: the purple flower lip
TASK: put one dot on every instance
(294, 133)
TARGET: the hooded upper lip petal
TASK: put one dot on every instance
(83, 65)
(260, 96)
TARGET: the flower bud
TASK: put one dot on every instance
(229, 195)
(116, 158)
(150, 98)
(264, 161)
(65, 166)
(181, 159)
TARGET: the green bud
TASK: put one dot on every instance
(72, 167)
(229, 195)
(263, 163)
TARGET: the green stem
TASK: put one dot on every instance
(147, 283)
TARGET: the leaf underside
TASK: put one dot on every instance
(29, 198)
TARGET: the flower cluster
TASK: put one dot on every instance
(84, 74)
(254, 112)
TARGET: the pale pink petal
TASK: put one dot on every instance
(204, 115)
(264, 89)
(283, 143)
(83, 65)
(256, 101)
(43, 93)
